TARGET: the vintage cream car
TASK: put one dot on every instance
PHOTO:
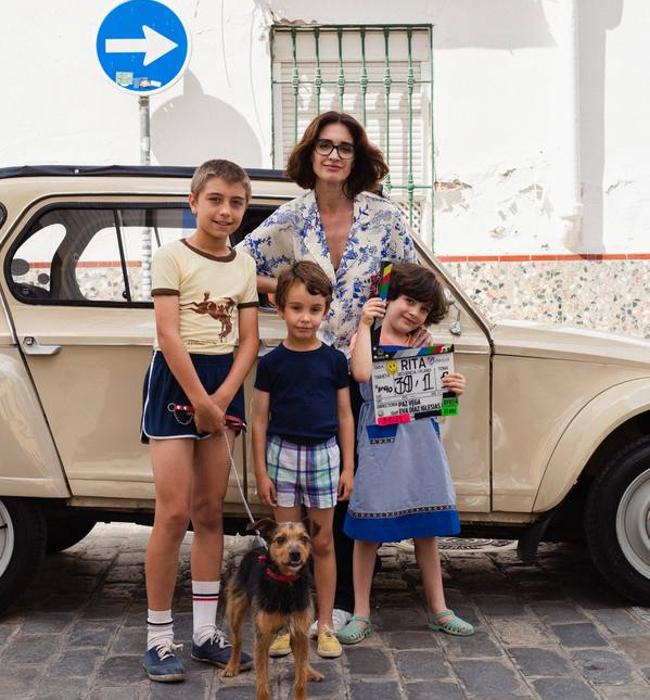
(553, 439)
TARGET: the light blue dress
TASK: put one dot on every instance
(402, 487)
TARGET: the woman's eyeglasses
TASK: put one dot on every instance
(324, 147)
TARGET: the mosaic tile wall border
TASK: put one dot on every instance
(605, 295)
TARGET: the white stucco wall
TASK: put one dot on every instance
(500, 121)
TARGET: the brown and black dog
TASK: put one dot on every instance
(276, 583)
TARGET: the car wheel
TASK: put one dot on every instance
(617, 521)
(64, 531)
(22, 546)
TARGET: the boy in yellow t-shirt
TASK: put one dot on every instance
(205, 301)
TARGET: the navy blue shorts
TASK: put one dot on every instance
(161, 393)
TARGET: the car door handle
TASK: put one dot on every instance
(31, 346)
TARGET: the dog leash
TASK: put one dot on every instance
(237, 425)
(260, 540)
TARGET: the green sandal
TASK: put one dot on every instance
(357, 629)
(453, 625)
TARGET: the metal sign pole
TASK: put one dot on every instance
(145, 159)
(145, 131)
(143, 48)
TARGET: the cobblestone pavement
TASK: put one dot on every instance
(551, 630)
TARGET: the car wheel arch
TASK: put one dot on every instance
(605, 423)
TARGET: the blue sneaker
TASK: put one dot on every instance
(217, 650)
(161, 663)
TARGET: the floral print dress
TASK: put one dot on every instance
(294, 232)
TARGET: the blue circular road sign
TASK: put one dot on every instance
(143, 47)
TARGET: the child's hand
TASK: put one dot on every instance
(266, 491)
(455, 382)
(220, 400)
(208, 417)
(420, 338)
(372, 309)
(346, 485)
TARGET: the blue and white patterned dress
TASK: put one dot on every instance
(294, 232)
(402, 487)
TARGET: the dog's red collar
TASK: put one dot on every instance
(288, 578)
(282, 578)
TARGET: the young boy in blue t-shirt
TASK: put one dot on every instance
(303, 429)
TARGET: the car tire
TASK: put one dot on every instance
(617, 521)
(67, 530)
(22, 547)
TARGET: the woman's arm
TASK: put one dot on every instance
(260, 424)
(271, 245)
(208, 417)
(244, 359)
(266, 285)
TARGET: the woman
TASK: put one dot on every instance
(343, 225)
(340, 223)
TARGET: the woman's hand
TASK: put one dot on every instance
(266, 490)
(372, 309)
(346, 484)
(454, 381)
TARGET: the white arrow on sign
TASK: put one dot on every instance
(153, 46)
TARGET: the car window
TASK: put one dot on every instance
(98, 273)
(96, 255)
(32, 262)
(100, 254)
(142, 232)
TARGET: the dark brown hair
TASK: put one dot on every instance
(421, 284)
(226, 170)
(307, 273)
(368, 167)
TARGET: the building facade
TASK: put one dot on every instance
(515, 129)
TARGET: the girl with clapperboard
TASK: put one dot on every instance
(403, 487)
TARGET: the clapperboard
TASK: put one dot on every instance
(407, 383)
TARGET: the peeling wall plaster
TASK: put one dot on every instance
(507, 208)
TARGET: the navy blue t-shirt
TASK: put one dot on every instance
(303, 388)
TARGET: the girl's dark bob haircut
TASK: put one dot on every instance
(368, 167)
(421, 284)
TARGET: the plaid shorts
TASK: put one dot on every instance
(303, 474)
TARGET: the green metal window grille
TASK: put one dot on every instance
(383, 75)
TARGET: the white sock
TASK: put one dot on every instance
(160, 628)
(205, 600)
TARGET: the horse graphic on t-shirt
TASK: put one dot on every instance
(219, 310)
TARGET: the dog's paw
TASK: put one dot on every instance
(314, 675)
(229, 671)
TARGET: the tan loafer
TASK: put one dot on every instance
(329, 646)
(281, 645)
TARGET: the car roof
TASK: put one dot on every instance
(176, 171)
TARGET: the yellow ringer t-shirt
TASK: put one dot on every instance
(210, 291)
